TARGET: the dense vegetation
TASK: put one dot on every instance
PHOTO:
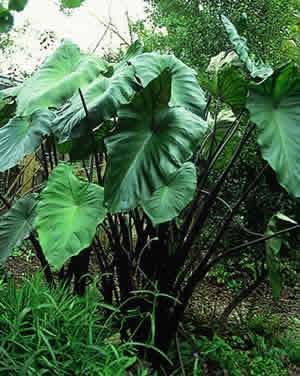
(143, 175)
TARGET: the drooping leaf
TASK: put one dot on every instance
(62, 74)
(17, 5)
(274, 107)
(256, 69)
(152, 142)
(227, 80)
(6, 20)
(224, 122)
(16, 225)
(103, 97)
(170, 199)
(273, 248)
(67, 215)
(22, 136)
(185, 92)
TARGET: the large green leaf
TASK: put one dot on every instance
(152, 142)
(256, 69)
(16, 225)
(67, 215)
(274, 107)
(22, 136)
(58, 79)
(170, 199)
(103, 98)
(186, 91)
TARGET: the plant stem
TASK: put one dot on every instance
(5, 201)
(54, 150)
(263, 238)
(226, 139)
(45, 162)
(204, 211)
(97, 161)
(40, 255)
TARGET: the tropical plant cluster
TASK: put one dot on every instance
(149, 138)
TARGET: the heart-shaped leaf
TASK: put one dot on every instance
(16, 225)
(152, 141)
(274, 107)
(68, 214)
(22, 136)
(169, 200)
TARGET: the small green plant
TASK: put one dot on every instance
(224, 277)
(235, 356)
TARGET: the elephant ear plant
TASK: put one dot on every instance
(153, 137)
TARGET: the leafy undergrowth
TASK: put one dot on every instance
(53, 332)
(244, 354)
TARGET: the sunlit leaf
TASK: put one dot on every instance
(68, 213)
(62, 74)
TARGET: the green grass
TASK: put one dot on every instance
(55, 333)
